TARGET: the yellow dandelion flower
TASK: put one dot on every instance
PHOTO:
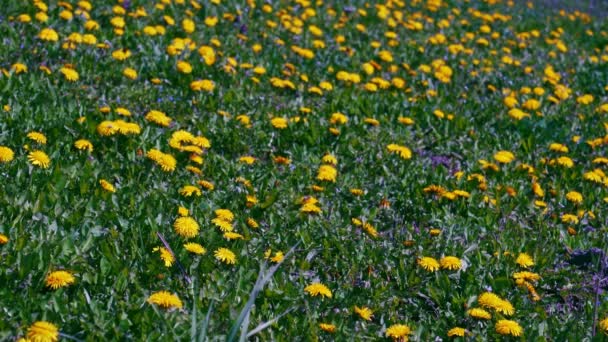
(318, 289)
(186, 226)
(232, 236)
(247, 160)
(166, 256)
(327, 327)
(189, 190)
(604, 325)
(48, 34)
(450, 263)
(83, 144)
(6, 154)
(457, 332)
(37, 137)
(225, 255)
(43, 331)
(158, 118)
(507, 327)
(166, 161)
(202, 85)
(398, 331)
(195, 248)
(59, 279)
(3, 239)
(69, 74)
(524, 260)
(224, 214)
(327, 173)
(478, 313)
(574, 197)
(429, 264)
(402, 151)
(252, 223)
(504, 157)
(39, 158)
(364, 312)
(165, 300)
(527, 276)
(107, 186)
(279, 123)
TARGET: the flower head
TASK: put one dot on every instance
(195, 248)
(43, 331)
(524, 260)
(225, 255)
(316, 289)
(83, 144)
(39, 158)
(398, 331)
(429, 264)
(59, 279)
(457, 332)
(6, 154)
(107, 186)
(479, 313)
(186, 226)
(327, 327)
(37, 137)
(165, 255)
(507, 327)
(504, 157)
(450, 263)
(364, 312)
(165, 300)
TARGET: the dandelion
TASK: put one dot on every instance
(3, 239)
(69, 74)
(83, 144)
(604, 325)
(195, 248)
(225, 255)
(402, 151)
(43, 331)
(189, 190)
(39, 158)
(165, 300)
(478, 313)
(186, 226)
(6, 154)
(327, 327)
(457, 332)
(48, 34)
(59, 279)
(318, 289)
(107, 186)
(37, 137)
(279, 123)
(504, 157)
(364, 312)
(428, 263)
(450, 263)
(165, 255)
(327, 173)
(524, 260)
(224, 214)
(166, 161)
(398, 331)
(202, 85)
(158, 118)
(507, 327)
(574, 197)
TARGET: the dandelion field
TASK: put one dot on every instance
(302, 170)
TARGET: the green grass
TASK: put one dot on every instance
(60, 218)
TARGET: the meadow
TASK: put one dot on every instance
(302, 170)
